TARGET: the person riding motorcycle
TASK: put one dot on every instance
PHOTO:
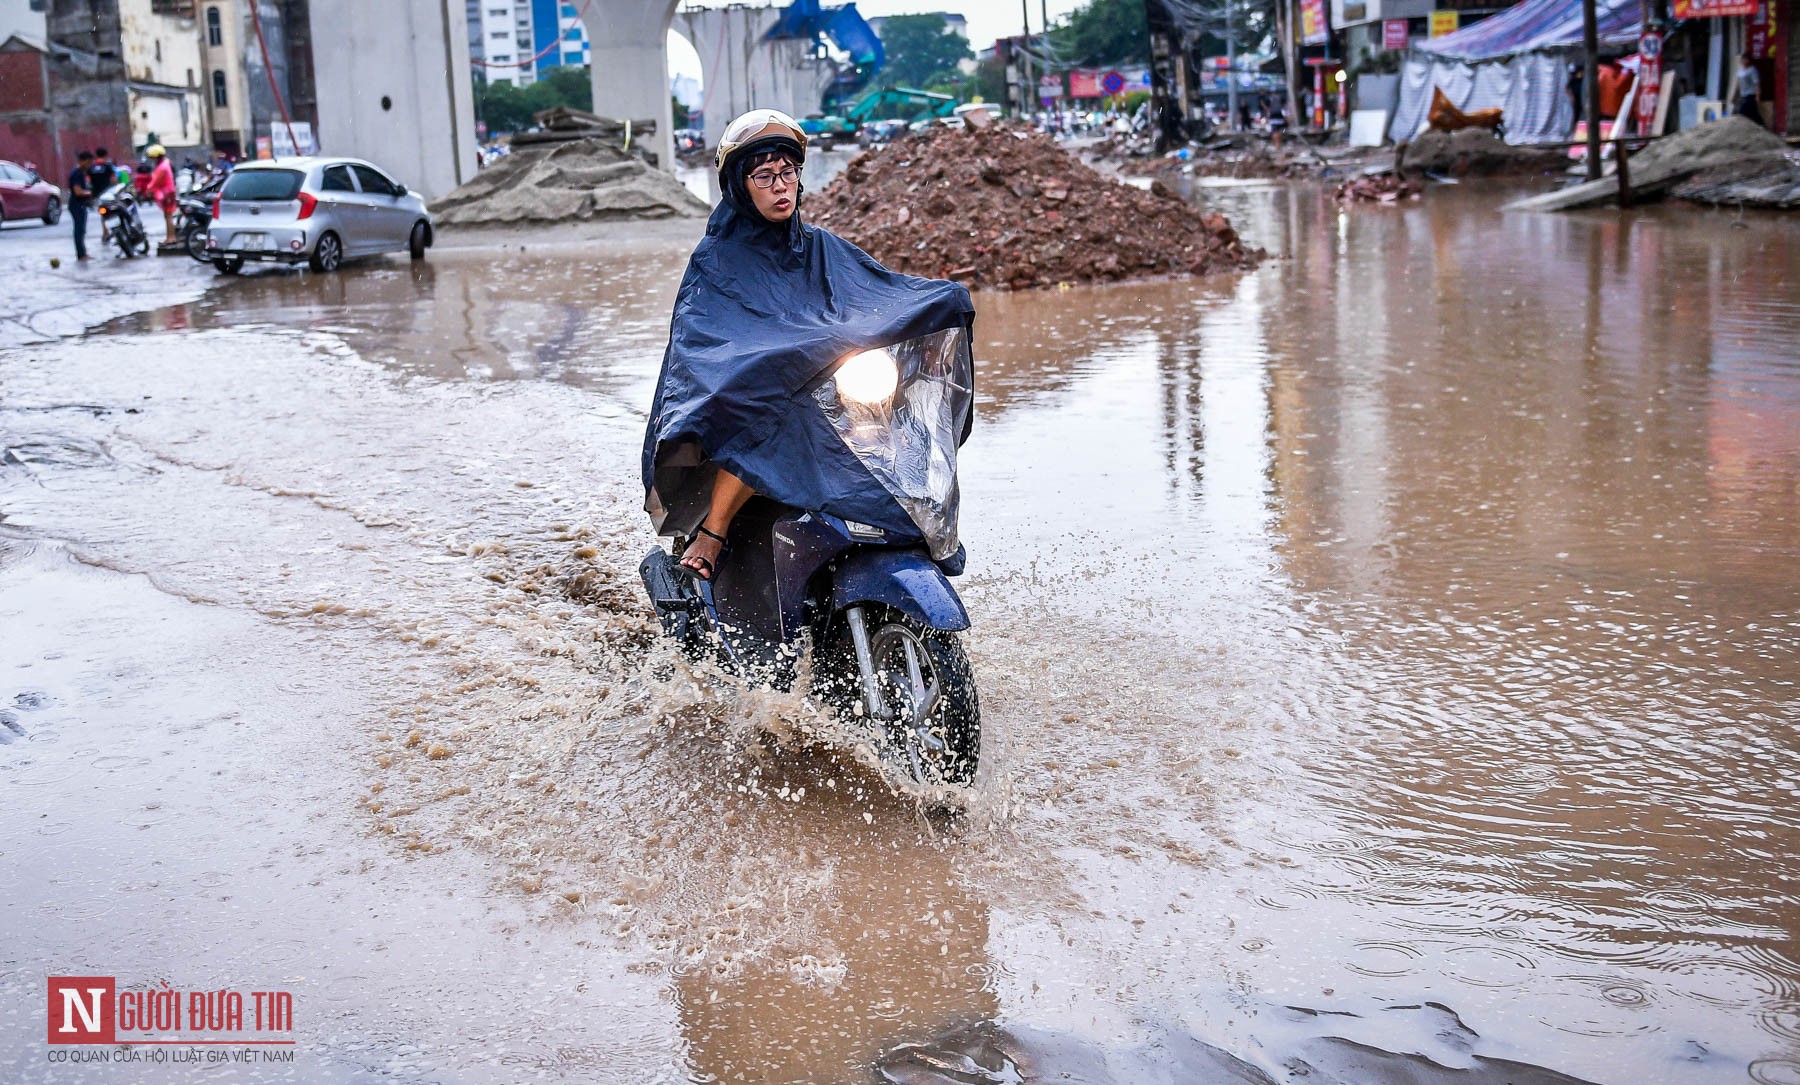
(768, 304)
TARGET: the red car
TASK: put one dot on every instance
(25, 195)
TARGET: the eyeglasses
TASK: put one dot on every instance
(766, 179)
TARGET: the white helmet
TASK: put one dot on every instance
(759, 124)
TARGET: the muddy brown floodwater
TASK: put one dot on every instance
(1394, 650)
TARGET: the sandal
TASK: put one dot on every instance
(711, 567)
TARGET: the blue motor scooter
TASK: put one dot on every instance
(881, 616)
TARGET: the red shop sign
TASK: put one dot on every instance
(1649, 78)
(1703, 9)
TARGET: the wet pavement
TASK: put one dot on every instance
(50, 294)
(1393, 648)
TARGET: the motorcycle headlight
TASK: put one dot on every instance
(869, 377)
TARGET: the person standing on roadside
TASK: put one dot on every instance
(162, 189)
(81, 180)
(1749, 88)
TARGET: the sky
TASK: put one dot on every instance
(988, 19)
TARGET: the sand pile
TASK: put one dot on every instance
(1477, 151)
(1730, 140)
(559, 182)
(1737, 142)
(1001, 207)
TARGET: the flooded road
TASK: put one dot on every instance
(1394, 650)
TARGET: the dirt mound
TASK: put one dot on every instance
(1254, 160)
(1001, 207)
(579, 179)
(1477, 151)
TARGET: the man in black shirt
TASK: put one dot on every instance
(104, 173)
(81, 193)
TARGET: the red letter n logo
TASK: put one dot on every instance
(81, 1009)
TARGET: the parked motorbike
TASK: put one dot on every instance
(881, 617)
(196, 218)
(120, 221)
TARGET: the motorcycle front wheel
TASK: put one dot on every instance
(131, 242)
(932, 717)
(194, 237)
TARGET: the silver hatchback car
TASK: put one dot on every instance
(320, 210)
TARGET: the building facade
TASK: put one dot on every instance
(501, 40)
(554, 22)
(62, 84)
(243, 106)
(164, 69)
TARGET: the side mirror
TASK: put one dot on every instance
(399, 189)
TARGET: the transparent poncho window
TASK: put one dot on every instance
(901, 410)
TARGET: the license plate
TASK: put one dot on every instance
(250, 242)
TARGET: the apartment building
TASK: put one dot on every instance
(555, 23)
(500, 40)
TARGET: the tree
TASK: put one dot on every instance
(506, 108)
(566, 85)
(919, 49)
(1104, 33)
(989, 83)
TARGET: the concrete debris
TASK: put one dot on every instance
(1381, 188)
(1754, 182)
(1669, 161)
(1476, 152)
(577, 180)
(1003, 207)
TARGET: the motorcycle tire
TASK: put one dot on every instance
(941, 746)
(194, 238)
(122, 239)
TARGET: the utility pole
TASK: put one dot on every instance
(1231, 72)
(1027, 85)
(1590, 41)
(1288, 30)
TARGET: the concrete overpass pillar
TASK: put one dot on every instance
(628, 46)
(740, 70)
(394, 87)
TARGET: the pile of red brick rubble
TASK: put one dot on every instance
(1381, 188)
(1001, 207)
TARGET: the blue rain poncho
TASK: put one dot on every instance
(764, 314)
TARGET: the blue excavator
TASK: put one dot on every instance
(809, 20)
(842, 114)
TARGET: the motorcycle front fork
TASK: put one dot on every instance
(865, 663)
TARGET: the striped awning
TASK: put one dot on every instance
(1537, 25)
